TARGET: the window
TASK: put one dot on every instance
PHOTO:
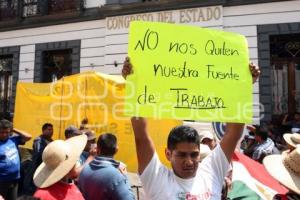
(285, 73)
(59, 6)
(5, 84)
(57, 63)
(30, 8)
(56, 59)
(8, 9)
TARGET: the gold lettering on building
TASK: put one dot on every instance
(191, 15)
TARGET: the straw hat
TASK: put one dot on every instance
(292, 139)
(59, 157)
(285, 168)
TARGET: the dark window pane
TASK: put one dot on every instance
(285, 46)
(5, 84)
(30, 8)
(62, 6)
(285, 73)
(8, 9)
(56, 65)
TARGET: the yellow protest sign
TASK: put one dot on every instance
(185, 72)
(98, 97)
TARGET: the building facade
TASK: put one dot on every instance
(41, 41)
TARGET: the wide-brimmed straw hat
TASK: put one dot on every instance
(285, 168)
(59, 157)
(292, 139)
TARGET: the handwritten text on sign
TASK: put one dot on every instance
(186, 72)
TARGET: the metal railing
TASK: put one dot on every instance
(12, 9)
(63, 6)
(110, 2)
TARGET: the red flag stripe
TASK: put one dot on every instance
(259, 172)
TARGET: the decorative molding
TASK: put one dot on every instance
(117, 8)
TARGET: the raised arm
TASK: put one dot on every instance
(144, 145)
(25, 136)
(234, 130)
(284, 120)
(232, 135)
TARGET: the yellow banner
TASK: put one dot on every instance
(184, 72)
(98, 97)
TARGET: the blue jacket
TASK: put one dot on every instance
(38, 146)
(102, 180)
(10, 159)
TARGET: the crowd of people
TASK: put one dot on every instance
(79, 167)
(83, 166)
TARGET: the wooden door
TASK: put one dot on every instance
(285, 86)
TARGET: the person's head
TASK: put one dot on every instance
(47, 130)
(183, 151)
(252, 128)
(5, 129)
(91, 140)
(59, 158)
(72, 131)
(250, 139)
(261, 134)
(208, 139)
(107, 145)
(84, 123)
(297, 116)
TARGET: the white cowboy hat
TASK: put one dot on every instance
(285, 168)
(59, 157)
(292, 139)
(206, 134)
(204, 151)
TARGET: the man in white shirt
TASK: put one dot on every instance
(187, 180)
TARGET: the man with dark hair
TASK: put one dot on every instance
(10, 159)
(294, 124)
(176, 136)
(264, 145)
(101, 178)
(107, 145)
(38, 146)
(40, 143)
(186, 180)
(72, 131)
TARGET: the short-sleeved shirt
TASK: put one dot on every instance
(59, 191)
(160, 183)
(10, 159)
(265, 148)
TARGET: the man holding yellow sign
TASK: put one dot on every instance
(191, 73)
(186, 180)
